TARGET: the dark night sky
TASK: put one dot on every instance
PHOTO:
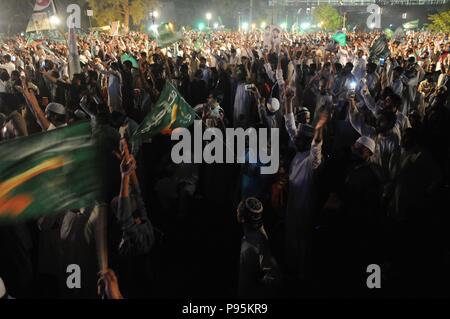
(14, 14)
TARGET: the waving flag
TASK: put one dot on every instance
(411, 25)
(170, 112)
(49, 173)
(340, 38)
(167, 35)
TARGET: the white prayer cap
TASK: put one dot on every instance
(367, 142)
(273, 105)
(56, 108)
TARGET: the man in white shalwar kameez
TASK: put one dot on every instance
(299, 217)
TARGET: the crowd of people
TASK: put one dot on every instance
(364, 153)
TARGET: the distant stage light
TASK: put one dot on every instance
(283, 26)
(245, 26)
(55, 20)
(263, 25)
(201, 26)
(305, 25)
(153, 28)
(216, 25)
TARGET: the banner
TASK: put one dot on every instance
(42, 5)
(167, 34)
(40, 20)
(74, 57)
(115, 28)
(170, 112)
(49, 173)
(272, 37)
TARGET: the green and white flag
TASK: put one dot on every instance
(167, 34)
(340, 38)
(170, 112)
(411, 25)
(49, 173)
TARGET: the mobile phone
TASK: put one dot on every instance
(13, 58)
(250, 87)
(382, 61)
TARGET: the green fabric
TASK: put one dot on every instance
(48, 173)
(340, 38)
(167, 35)
(389, 33)
(170, 112)
(411, 24)
(133, 61)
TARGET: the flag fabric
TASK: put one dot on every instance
(133, 61)
(74, 57)
(49, 173)
(170, 112)
(40, 20)
(399, 35)
(340, 38)
(389, 33)
(380, 49)
(411, 25)
(167, 34)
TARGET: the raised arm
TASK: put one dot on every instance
(33, 104)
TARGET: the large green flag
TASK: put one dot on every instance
(411, 25)
(170, 112)
(48, 173)
(340, 38)
(168, 35)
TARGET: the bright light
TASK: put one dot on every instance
(253, 26)
(216, 25)
(372, 25)
(208, 16)
(55, 20)
(154, 28)
(305, 25)
(263, 25)
(201, 26)
(245, 26)
(155, 14)
(391, 25)
(283, 26)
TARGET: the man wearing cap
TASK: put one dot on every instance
(268, 112)
(360, 218)
(308, 143)
(259, 273)
(386, 134)
(54, 116)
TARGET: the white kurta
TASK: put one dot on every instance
(299, 214)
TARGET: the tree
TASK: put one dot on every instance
(328, 17)
(128, 11)
(440, 22)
